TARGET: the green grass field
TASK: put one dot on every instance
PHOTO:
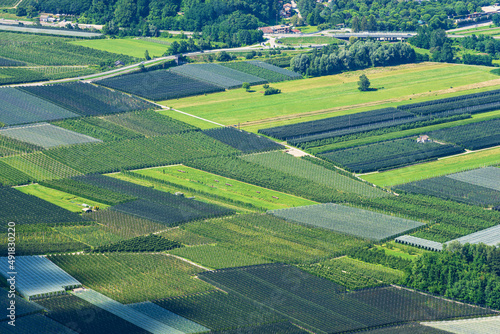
(64, 200)
(315, 98)
(127, 46)
(308, 29)
(440, 167)
(172, 188)
(224, 187)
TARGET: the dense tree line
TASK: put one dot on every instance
(466, 272)
(359, 55)
(233, 22)
(434, 40)
(389, 15)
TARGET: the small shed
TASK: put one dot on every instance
(119, 63)
(423, 139)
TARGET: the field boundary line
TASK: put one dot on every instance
(188, 261)
(198, 117)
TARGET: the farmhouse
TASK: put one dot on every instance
(279, 29)
(423, 139)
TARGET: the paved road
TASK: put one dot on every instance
(485, 24)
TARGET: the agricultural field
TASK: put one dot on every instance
(37, 239)
(139, 153)
(266, 74)
(34, 323)
(208, 184)
(299, 185)
(473, 136)
(484, 325)
(149, 243)
(214, 76)
(17, 75)
(305, 169)
(39, 167)
(9, 146)
(386, 116)
(280, 327)
(116, 275)
(91, 235)
(284, 241)
(98, 128)
(206, 309)
(409, 328)
(227, 72)
(45, 135)
(454, 189)
(7, 62)
(352, 221)
(318, 98)
(32, 49)
(126, 313)
(8, 3)
(316, 304)
(159, 85)
(68, 309)
(383, 134)
(156, 205)
(123, 225)
(12, 176)
(19, 107)
(132, 47)
(440, 167)
(92, 192)
(446, 220)
(409, 305)
(61, 72)
(62, 199)
(469, 103)
(484, 177)
(185, 237)
(87, 99)
(149, 123)
(216, 257)
(267, 66)
(389, 154)
(354, 274)
(241, 140)
(27, 209)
